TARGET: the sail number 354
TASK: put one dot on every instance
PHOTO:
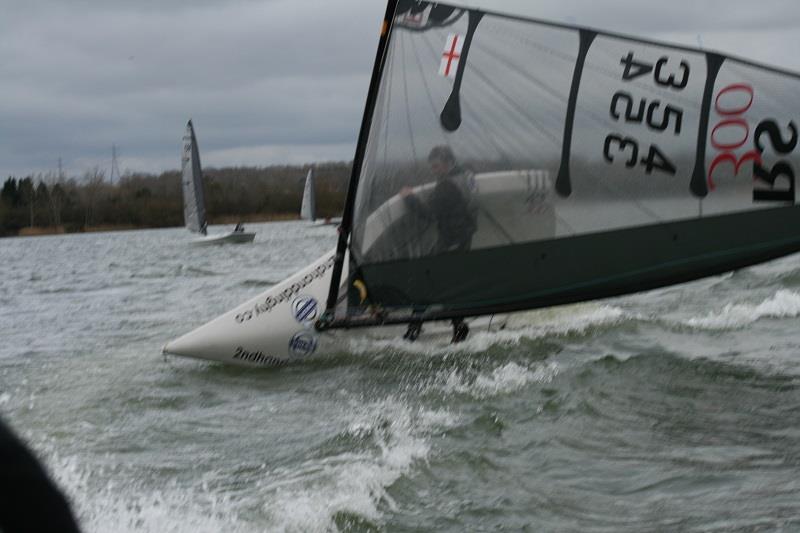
(653, 113)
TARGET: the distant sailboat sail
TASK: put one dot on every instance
(506, 163)
(308, 209)
(194, 211)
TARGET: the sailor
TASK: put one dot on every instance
(239, 228)
(452, 207)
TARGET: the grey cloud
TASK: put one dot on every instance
(77, 76)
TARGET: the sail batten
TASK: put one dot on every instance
(527, 163)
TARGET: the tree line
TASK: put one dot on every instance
(54, 203)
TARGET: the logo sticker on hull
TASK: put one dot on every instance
(302, 344)
(304, 309)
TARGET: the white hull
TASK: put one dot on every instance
(277, 326)
(232, 237)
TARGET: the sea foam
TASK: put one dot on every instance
(504, 379)
(783, 304)
(310, 497)
(306, 497)
(105, 499)
(530, 325)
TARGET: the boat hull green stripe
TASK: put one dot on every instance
(545, 273)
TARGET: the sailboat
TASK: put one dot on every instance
(194, 209)
(308, 207)
(593, 164)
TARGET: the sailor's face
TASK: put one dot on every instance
(439, 167)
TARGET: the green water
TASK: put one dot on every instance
(675, 410)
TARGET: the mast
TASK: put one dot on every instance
(347, 215)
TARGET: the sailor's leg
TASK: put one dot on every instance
(460, 330)
(413, 331)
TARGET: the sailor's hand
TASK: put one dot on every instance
(406, 191)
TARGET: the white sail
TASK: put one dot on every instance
(502, 155)
(194, 211)
(194, 207)
(308, 209)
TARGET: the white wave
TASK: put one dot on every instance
(530, 325)
(779, 267)
(565, 320)
(784, 304)
(308, 497)
(506, 379)
(103, 502)
(305, 498)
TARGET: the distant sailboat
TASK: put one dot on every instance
(308, 208)
(194, 209)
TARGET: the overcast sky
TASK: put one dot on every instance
(266, 81)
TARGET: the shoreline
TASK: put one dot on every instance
(43, 231)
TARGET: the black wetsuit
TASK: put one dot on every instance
(450, 206)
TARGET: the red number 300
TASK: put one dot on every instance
(735, 120)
